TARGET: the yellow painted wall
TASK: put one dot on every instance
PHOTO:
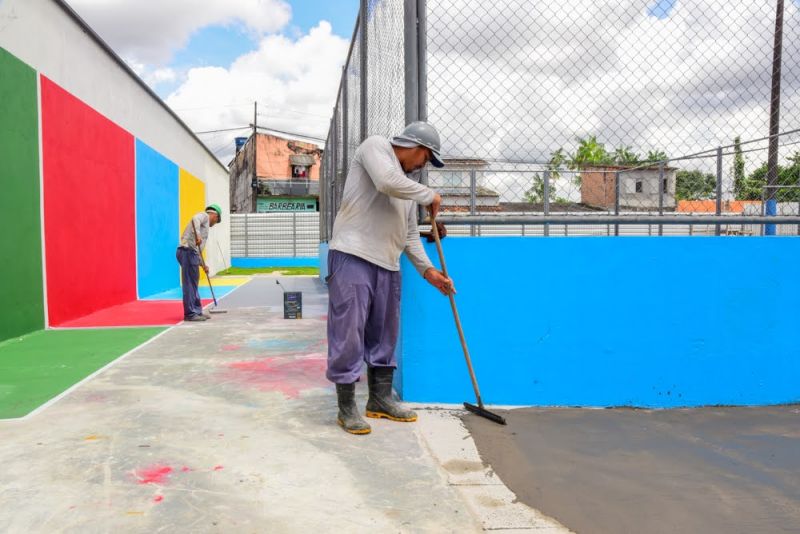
(192, 197)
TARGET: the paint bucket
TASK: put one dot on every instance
(292, 305)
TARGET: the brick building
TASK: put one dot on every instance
(639, 189)
(286, 177)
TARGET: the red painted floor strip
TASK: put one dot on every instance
(136, 313)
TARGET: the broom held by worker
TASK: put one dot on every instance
(192, 243)
(375, 225)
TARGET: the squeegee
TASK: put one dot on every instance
(479, 409)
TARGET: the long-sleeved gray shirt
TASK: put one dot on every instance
(377, 219)
(187, 238)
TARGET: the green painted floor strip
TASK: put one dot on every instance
(37, 367)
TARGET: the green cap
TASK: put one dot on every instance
(216, 208)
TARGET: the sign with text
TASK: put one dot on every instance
(271, 205)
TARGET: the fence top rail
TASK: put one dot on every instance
(615, 219)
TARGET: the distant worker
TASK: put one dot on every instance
(376, 223)
(193, 242)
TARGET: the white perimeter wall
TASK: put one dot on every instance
(43, 35)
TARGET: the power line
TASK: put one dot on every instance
(223, 130)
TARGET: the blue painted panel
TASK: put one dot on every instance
(205, 293)
(156, 222)
(656, 322)
(275, 262)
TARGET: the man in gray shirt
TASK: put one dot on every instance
(376, 223)
(193, 242)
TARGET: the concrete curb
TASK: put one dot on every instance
(448, 441)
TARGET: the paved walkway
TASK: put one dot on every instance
(227, 426)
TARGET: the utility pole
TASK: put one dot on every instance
(254, 183)
(774, 120)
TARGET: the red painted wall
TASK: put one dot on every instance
(89, 206)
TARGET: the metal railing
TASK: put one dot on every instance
(566, 115)
(289, 186)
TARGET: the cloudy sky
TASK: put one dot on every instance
(508, 79)
(211, 59)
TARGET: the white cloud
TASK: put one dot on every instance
(150, 31)
(516, 80)
(294, 81)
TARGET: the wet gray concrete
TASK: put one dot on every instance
(222, 426)
(709, 470)
(263, 292)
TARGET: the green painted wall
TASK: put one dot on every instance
(20, 234)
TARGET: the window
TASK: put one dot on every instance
(299, 172)
(639, 186)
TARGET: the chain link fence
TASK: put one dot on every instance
(577, 110)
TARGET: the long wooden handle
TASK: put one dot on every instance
(455, 315)
(203, 264)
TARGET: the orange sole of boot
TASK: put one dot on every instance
(357, 432)
(381, 415)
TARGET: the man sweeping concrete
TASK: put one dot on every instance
(376, 223)
(193, 242)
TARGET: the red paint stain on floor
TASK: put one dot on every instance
(185, 469)
(218, 468)
(158, 498)
(289, 376)
(155, 474)
(231, 347)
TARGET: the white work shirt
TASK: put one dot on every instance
(201, 222)
(377, 219)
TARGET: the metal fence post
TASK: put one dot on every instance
(616, 200)
(546, 200)
(422, 58)
(473, 184)
(661, 195)
(345, 118)
(364, 56)
(718, 210)
(411, 54)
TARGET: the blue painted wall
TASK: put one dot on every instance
(275, 262)
(655, 322)
(157, 231)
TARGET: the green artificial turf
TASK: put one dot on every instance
(37, 367)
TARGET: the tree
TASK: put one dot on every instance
(694, 185)
(790, 176)
(535, 195)
(656, 155)
(589, 152)
(739, 177)
(625, 156)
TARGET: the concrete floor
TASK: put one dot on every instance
(222, 426)
(709, 470)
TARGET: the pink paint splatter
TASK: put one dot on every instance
(289, 376)
(218, 468)
(231, 347)
(155, 474)
(158, 498)
(185, 469)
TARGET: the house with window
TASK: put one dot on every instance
(640, 189)
(272, 173)
(454, 181)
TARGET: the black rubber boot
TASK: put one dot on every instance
(381, 403)
(348, 417)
